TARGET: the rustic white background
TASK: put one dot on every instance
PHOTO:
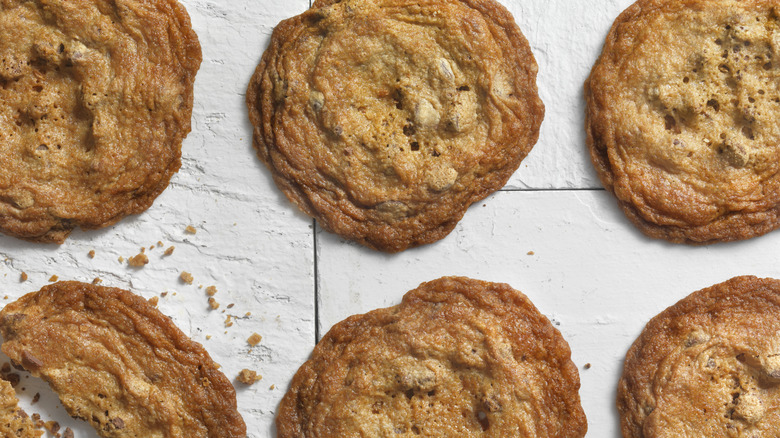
(596, 277)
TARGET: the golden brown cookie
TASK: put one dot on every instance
(95, 99)
(118, 363)
(14, 422)
(386, 119)
(682, 118)
(457, 358)
(709, 366)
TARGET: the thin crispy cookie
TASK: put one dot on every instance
(95, 99)
(682, 118)
(457, 358)
(709, 366)
(118, 363)
(386, 119)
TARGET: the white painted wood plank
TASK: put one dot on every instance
(566, 37)
(250, 243)
(591, 272)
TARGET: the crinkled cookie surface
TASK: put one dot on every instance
(709, 366)
(682, 118)
(95, 99)
(386, 119)
(118, 363)
(457, 358)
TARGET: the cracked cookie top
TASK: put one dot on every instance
(386, 119)
(681, 121)
(707, 366)
(95, 99)
(457, 358)
(119, 363)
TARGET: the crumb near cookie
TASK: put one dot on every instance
(53, 278)
(169, 250)
(213, 304)
(211, 291)
(190, 229)
(91, 254)
(254, 339)
(186, 277)
(138, 260)
(248, 377)
(23, 277)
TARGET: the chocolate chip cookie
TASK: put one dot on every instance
(681, 121)
(457, 358)
(118, 363)
(95, 99)
(385, 120)
(708, 366)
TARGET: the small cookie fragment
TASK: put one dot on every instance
(186, 277)
(211, 291)
(23, 277)
(190, 230)
(386, 121)
(254, 339)
(169, 250)
(708, 366)
(248, 377)
(457, 358)
(120, 364)
(91, 254)
(682, 110)
(138, 260)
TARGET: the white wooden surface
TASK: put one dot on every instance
(591, 272)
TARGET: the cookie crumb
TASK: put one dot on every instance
(159, 244)
(211, 291)
(164, 294)
(97, 280)
(248, 377)
(91, 254)
(52, 426)
(230, 306)
(12, 378)
(531, 253)
(208, 337)
(186, 277)
(121, 259)
(169, 251)
(248, 314)
(35, 398)
(254, 339)
(272, 387)
(228, 322)
(190, 230)
(587, 366)
(54, 278)
(138, 261)
(213, 304)
(68, 433)
(23, 277)
(154, 301)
